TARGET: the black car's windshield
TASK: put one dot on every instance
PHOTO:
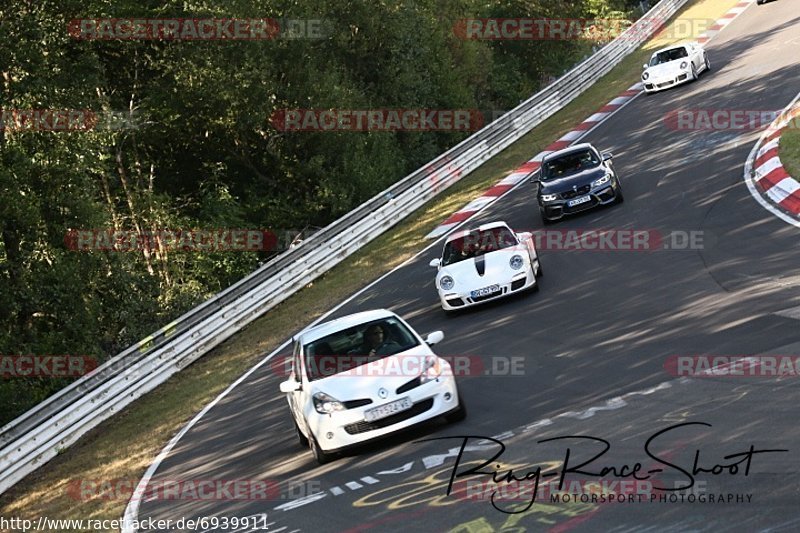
(356, 346)
(477, 243)
(569, 164)
(669, 55)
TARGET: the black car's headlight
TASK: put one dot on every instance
(605, 179)
(326, 404)
(516, 262)
(447, 283)
(645, 75)
(549, 197)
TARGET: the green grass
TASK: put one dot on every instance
(789, 149)
(123, 447)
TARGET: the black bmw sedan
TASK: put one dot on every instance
(575, 179)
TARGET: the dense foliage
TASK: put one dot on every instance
(196, 150)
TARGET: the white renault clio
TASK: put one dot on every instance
(364, 376)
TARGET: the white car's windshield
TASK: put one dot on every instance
(477, 243)
(668, 55)
(356, 346)
(569, 164)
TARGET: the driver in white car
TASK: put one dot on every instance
(376, 343)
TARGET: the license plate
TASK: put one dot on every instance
(485, 291)
(579, 201)
(382, 411)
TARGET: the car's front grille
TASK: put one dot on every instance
(352, 404)
(364, 426)
(455, 302)
(407, 386)
(579, 191)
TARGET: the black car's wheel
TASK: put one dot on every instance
(620, 196)
(300, 437)
(545, 220)
(321, 457)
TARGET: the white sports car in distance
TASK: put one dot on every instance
(484, 263)
(365, 376)
(674, 65)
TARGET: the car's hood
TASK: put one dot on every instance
(365, 381)
(483, 270)
(572, 181)
(673, 68)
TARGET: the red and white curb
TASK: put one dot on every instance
(520, 173)
(767, 180)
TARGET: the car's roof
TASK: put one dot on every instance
(569, 150)
(483, 227)
(326, 328)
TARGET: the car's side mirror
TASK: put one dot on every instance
(524, 236)
(536, 176)
(434, 337)
(607, 156)
(435, 262)
(290, 385)
(644, 67)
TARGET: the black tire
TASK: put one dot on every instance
(321, 457)
(620, 196)
(459, 414)
(300, 437)
(694, 73)
(545, 221)
(708, 63)
(540, 272)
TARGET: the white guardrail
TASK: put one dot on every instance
(41, 433)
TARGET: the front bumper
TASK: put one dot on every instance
(342, 429)
(603, 195)
(652, 85)
(525, 279)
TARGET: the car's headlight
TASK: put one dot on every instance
(326, 404)
(516, 262)
(601, 181)
(684, 65)
(645, 75)
(549, 197)
(447, 283)
(430, 370)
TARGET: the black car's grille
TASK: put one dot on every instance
(407, 386)
(352, 404)
(364, 426)
(572, 194)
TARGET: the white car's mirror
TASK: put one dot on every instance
(524, 236)
(290, 385)
(607, 156)
(434, 337)
(644, 67)
(435, 262)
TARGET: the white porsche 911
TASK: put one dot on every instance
(484, 263)
(674, 65)
(365, 376)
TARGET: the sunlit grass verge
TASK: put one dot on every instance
(122, 448)
(789, 149)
